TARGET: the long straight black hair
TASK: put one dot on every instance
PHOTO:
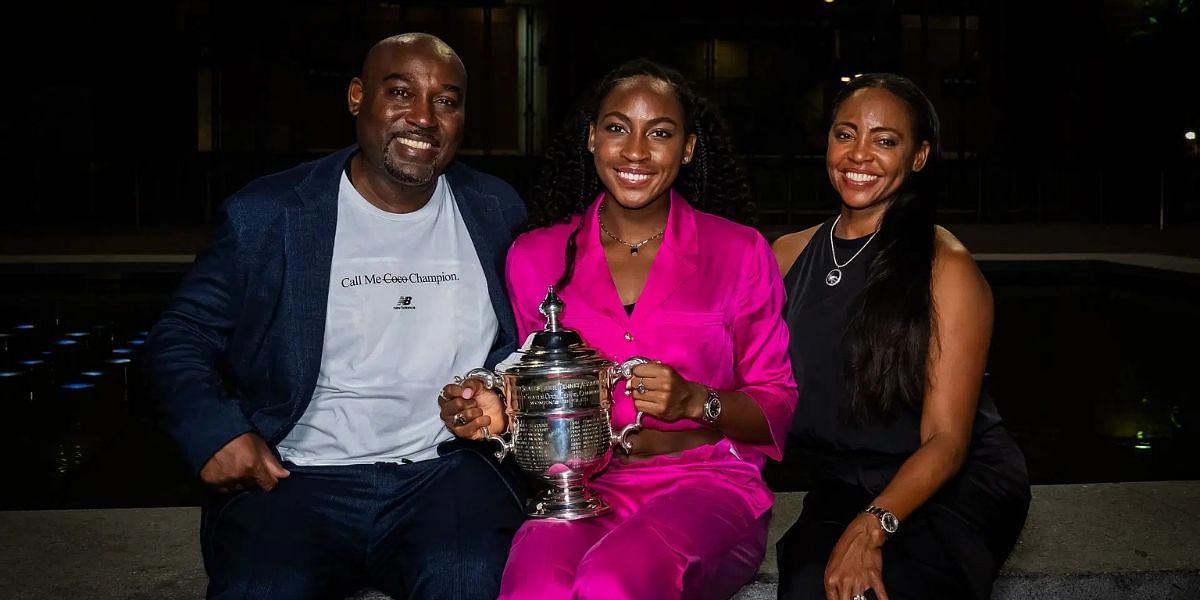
(887, 340)
(713, 181)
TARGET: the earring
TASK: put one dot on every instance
(687, 159)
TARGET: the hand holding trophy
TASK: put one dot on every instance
(559, 397)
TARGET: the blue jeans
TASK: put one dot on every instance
(437, 529)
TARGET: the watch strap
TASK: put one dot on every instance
(712, 406)
(888, 522)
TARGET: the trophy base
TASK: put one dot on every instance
(567, 504)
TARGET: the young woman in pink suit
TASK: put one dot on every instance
(643, 272)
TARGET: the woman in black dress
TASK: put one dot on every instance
(921, 492)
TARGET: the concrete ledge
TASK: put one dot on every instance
(1114, 540)
(1107, 540)
(134, 554)
(1162, 262)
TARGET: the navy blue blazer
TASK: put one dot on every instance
(238, 348)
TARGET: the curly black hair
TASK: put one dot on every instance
(713, 181)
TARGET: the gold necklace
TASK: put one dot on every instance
(633, 247)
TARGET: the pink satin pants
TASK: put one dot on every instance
(691, 526)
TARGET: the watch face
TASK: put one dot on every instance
(889, 522)
(712, 408)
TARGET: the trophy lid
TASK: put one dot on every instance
(553, 350)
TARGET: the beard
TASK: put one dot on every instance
(407, 174)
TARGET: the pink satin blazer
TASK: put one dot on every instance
(711, 308)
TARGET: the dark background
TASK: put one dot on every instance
(142, 117)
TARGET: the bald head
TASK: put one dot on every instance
(409, 104)
(418, 43)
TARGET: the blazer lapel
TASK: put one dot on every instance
(591, 268)
(308, 249)
(485, 223)
(675, 262)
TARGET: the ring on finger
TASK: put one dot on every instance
(859, 597)
(641, 387)
(459, 419)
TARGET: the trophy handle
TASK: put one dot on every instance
(490, 380)
(625, 371)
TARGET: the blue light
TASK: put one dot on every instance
(78, 334)
(122, 351)
(10, 373)
(66, 342)
(78, 386)
(137, 342)
(32, 363)
(92, 374)
(118, 361)
(24, 326)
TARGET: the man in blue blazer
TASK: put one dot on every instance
(298, 364)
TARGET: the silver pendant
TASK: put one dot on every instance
(833, 277)
(633, 250)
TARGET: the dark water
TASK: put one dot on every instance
(1094, 368)
(1091, 366)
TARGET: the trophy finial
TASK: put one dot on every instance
(551, 308)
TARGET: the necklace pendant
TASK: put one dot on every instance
(834, 277)
(633, 251)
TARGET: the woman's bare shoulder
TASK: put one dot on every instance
(788, 247)
(956, 276)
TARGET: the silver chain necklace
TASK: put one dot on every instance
(834, 276)
(633, 247)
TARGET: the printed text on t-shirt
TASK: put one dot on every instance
(393, 279)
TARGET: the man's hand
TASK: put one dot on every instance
(469, 407)
(244, 462)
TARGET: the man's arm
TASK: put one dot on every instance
(186, 346)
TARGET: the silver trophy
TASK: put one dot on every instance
(558, 394)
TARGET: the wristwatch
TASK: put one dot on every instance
(887, 521)
(712, 407)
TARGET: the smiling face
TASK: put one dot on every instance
(410, 105)
(873, 148)
(639, 141)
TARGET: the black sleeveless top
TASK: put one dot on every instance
(817, 315)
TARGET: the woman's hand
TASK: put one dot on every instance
(659, 391)
(468, 407)
(856, 563)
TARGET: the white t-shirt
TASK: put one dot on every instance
(408, 310)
